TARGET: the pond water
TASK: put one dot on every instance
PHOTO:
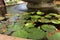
(17, 8)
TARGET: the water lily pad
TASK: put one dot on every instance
(40, 13)
(53, 14)
(48, 16)
(44, 20)
(48, 28)
(55, 36)
(35, 33)
(20, 33)
(58, 16)
(55, 21)
(28, 25)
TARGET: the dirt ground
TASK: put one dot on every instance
(5, 37)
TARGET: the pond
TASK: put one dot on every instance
(17, 8)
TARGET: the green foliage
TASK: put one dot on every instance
(39, 13)
(35, 33)
(48, 28)
(28, 25)
(48, 16)
(10, 2)
(55, 21)
(38, 33)
(20, 33)
(35, 17)
(33, 25)
(55, 36)
(13, 27)
(53, 14)
(43, 20)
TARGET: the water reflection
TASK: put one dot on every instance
(21, 7)
(17, 8)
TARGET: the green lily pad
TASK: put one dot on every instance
(40, 13)
(58, 16)
(48, 28)
(44, 20)
(53, 14)
(35, 33)
(55, 21)
(35, 17)
(48, 16)
(55, 36)
(28, 25)
(20, 33)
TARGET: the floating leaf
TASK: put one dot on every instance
(35, 17)
(58, 16)
(32, 12)
(44, 20)
(10, 28)
(35, 33)
(53, 14)
(48, 16)
(48, 28)
(28, 25)
(55, 21)
(20, 33)
(39, 13)
(55, 36)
